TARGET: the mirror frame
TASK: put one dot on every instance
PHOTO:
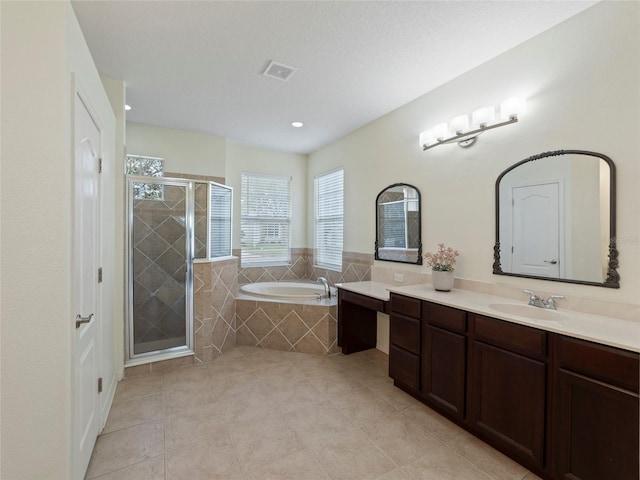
(613, 277)
(419, 259)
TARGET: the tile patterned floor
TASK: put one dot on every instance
(258, 414)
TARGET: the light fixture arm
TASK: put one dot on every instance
(466, 139)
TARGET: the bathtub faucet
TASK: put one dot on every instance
(325, 284)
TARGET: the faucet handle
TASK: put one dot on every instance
(550, 303)
(530, 293)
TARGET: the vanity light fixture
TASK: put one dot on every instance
(297, 124)
(127, 107)
(483, 119)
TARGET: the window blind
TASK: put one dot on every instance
(265, 206)
(220, 207)
(329, 219)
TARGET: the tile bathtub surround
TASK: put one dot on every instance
(254, 414)
(355, 267)
(215, 285)
(288, 327)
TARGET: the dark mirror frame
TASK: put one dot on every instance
(419, 259)
(613, 278)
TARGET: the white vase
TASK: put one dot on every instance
(442, 281)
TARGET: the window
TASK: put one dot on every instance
(220, 207)
(265, 207)
(149, 167)
(329, 215)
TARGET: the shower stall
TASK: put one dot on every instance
(171, 223)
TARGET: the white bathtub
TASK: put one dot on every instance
(284, 290)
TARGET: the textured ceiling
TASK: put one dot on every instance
(197, 65)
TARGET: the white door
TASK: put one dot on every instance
(536, 231)
(86, 250)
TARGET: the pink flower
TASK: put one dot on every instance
(443, 260)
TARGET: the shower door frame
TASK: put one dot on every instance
(132, 358)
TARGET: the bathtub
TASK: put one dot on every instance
(287, 316)
(284, 290)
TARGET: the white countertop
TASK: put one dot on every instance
(605, 330)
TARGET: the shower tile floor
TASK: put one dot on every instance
(258, 414)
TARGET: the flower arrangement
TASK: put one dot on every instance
(443, 260)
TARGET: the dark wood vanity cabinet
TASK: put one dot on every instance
(507, 387)
(565, 408)
(405, 341)
(444, 356)
(595, 411)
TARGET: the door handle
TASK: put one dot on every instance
(552, 262)
(80, 320)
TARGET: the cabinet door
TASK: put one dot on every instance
(506, 401)
(443, 369)
(596, 430)
(404, 367)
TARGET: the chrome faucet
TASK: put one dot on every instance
(325, 284)
(534, 300)
(550, 303)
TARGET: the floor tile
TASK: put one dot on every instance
(402, 440)
(436, 424)
(443, 463)
(261, 443)
(486, 458)
(135, 411)
(351, 456)
(139, 385)
(259, 414)
(152, 469)
(299, 465)
(126, 447)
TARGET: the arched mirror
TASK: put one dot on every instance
(398, 226)
(556, 219)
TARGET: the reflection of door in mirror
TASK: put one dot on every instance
(555, 218)
(535, 247)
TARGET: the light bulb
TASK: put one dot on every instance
(512, 108)
(440, 131)
(427, 138)
(483, 117)
(459, 124)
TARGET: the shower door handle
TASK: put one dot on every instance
(80, 320)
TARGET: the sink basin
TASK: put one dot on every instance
(528, 311)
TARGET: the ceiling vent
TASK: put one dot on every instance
(279, 71)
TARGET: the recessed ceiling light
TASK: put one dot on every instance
(127, 107)
(297, 124)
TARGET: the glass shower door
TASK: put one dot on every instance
(160, 267)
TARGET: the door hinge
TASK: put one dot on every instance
(99, 165)
(100, 385)
(100, 275)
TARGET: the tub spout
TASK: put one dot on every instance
(325, 284)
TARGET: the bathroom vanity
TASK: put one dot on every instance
(555, 391)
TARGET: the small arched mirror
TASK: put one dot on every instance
(398, 225)
(556, 219)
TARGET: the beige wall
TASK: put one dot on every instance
(41, 46)
(184, 152)
(581, 80)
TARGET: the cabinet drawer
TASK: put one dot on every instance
(362, 300)
(444, 317)
(516, 338)
(611, 365)
(404, 367)
(405, 305)
(405, 332)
